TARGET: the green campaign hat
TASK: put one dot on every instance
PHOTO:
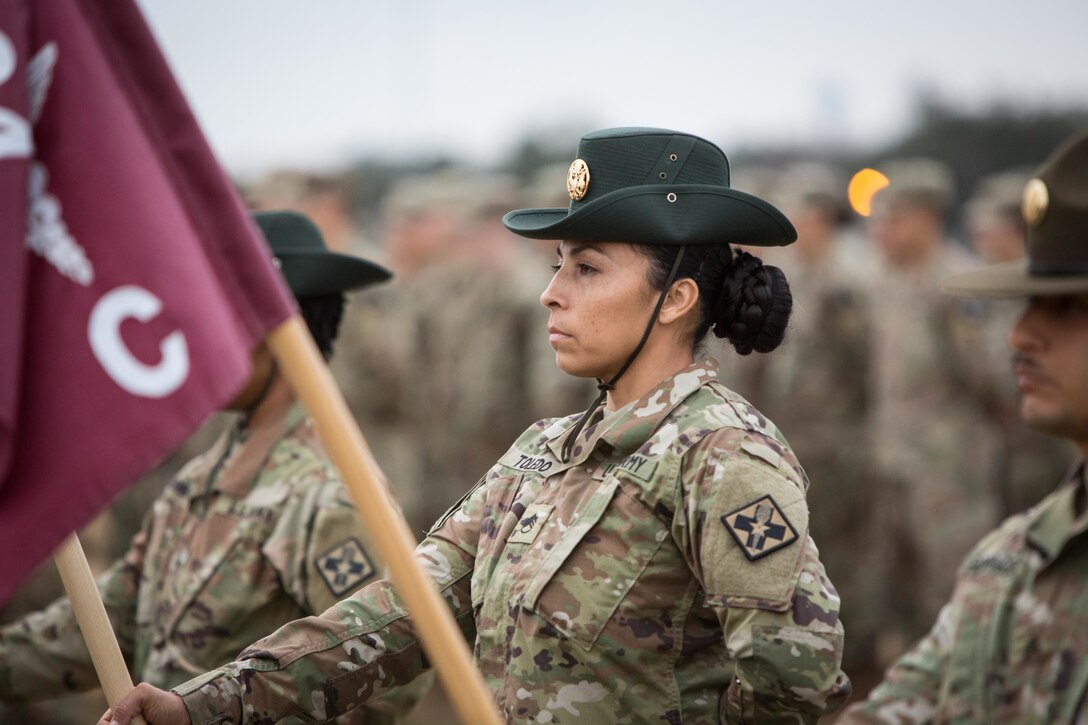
(653, 186)
(306, 263)
(1055, 210)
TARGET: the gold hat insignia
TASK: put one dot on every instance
(1035, 202)
(578, 180)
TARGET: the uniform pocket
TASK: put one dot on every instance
(218, 581)
(593, 566)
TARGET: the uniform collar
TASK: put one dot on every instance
(252, 449)
(627, 428)
(1060, 517)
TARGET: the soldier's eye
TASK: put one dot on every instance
(1066, 306)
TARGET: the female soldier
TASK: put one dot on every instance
(645, 561)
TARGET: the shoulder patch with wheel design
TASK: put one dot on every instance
(760, 528)
(345, 566)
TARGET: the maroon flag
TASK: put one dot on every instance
(132, 283)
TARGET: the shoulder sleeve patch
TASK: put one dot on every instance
(755, 532)
(345, 567)
(760, 527)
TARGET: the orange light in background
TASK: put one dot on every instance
(865, 184)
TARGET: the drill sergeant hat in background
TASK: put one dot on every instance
(307, 264)
(1055, 210)
(653, 186)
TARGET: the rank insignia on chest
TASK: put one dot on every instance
(530, 524)
(345, 566)
(760, 528)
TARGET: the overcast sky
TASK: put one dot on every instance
(317, 83)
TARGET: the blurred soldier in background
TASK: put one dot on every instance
(992, 217)
(816, 385)
(324, 198)
(255, 532)
(1011, 645)
(934, 438)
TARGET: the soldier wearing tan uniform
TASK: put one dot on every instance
(647, 560)
(1011, 645)
(253, 533)
(816, 387)
(934, 440)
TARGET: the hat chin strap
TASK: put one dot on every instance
(603, 387)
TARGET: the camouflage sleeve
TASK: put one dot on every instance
(745, 533)
(323, 554)
(44, 654)
(911, 687)
(320, 667)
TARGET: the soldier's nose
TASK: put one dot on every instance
(1024, 335)
(550, 297)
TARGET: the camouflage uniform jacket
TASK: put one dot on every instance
(1012, 644)
(664, 574)
(256, 532)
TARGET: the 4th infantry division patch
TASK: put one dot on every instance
(760, 528)
(345, 566)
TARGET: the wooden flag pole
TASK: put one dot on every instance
(90, 613)
(305, 370)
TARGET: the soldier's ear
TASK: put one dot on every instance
(681, 300)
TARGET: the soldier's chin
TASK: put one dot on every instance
(574, 367)
(1048, 421)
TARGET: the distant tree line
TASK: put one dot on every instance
(973, 143)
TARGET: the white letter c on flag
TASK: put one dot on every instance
(104, 333)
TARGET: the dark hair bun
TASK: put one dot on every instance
(753, 307)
